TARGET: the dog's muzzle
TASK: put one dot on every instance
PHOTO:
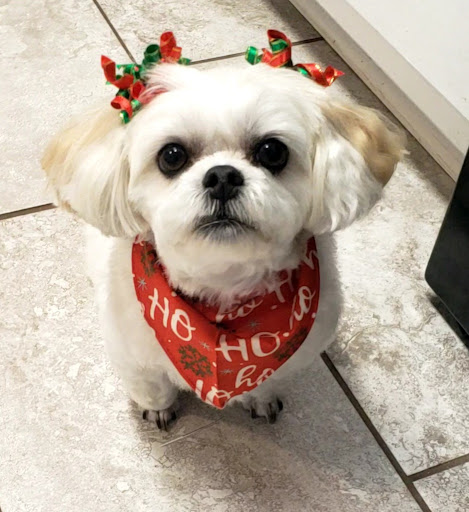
(221, 227)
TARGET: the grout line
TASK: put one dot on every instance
(374, 432)
(26, 211)
(310, 40)
(434, 470)
(111, 26)
(240, 54)
(190, 433)
(213, 59)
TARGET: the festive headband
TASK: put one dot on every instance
(131, 85)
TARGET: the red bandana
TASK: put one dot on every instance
(222, 354)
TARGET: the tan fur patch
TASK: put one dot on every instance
(380, 142)
(60, 157)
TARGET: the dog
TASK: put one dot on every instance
(224, 181)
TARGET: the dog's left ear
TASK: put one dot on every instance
(356, 152)
(87, 167)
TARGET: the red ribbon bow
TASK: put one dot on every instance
(169, 51)
(131, 83)
(314, 71)
(280, 56)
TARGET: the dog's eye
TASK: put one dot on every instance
(272, 154)
(171, 159)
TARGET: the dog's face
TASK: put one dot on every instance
(227, 168)
(220, 168)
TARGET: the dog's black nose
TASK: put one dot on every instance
(223, 182)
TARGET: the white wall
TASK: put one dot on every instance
(414, 55)
(433, 35)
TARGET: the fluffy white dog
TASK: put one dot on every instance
(227, 174)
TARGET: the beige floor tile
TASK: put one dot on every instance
(70, 440)
(50, 69)
(61, 42)
(447, 491)
(50, 62)
(319, 457)
(397, 353)
(208, 28)
(401, 359)
(65, 421)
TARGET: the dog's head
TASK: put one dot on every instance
(227, 169)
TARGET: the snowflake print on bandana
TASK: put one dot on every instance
(222, 354)
(292, 345)
(193, 360)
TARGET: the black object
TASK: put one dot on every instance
(448, 269)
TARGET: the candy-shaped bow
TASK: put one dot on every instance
(280, 56)
(130, 80)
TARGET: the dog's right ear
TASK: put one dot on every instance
(88, 169)
(357, 150)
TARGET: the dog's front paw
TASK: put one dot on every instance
(162, 418)
(269, 409)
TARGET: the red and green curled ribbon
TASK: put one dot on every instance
(279, 56)
(130, 78)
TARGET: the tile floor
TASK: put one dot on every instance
(379, 424)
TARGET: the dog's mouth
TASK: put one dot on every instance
(222, 227)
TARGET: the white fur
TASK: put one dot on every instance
(116, 186)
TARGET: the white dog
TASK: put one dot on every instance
(227, 174)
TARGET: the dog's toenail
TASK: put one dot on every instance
(145, 415)
(272, 415)
(279, 404)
